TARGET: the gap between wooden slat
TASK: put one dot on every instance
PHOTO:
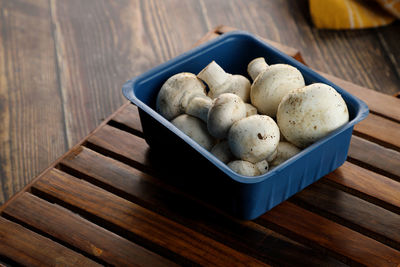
(146, 190)
(366, 184)
(131, 221)
(110, 227)
(317, 231)
(89, 239)
(29, 248)
(52, 238)
(7, 262)
(352, 212)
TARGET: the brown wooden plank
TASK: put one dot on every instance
(122, 145)
(157, 195)
(353, 212)
(129, 117)
(368, 185)
(30, 249)
(374, 156)
(321, 232)
(380, 130)
(31, 112)
(80, 233)
(162, 234)
(119, 40)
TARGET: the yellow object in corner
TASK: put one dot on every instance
(353, 14)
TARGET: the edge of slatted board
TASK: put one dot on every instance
(306, 229)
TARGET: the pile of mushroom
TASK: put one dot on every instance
(251, 127)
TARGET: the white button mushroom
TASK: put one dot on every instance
(199, 107)
(176, 92)
(307, 114)
(225, 110)
(195, 129)
(250, 110)
(272, 85)
(262, 166)
(253, 138)
(274, 154)
(220, 82)
(244, 168)
(284, 152)
(256, 66)
(222, 151)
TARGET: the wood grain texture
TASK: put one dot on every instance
(388, 134)
(378, 158)
(368, 185)
(80, 233)
(31, 122)
(63, 62)
(30, 249)
(154, 194)
(310, 227)
(352, 212)
(163, 235)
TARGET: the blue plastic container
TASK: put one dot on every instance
(202, 173)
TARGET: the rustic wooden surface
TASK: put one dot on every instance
(107, 202)
(62, 63)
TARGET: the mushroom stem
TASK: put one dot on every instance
(256, 66)
(213, 75)
(199, 106)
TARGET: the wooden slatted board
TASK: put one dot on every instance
(104, 203)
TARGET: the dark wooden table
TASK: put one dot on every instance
(104, 202)
(62, 63)
(113, 200)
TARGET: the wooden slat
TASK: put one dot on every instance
(162, 234)
(129, 117)
(367, 184)
(375, 156)
(380, 130)
(80, 233)
(353, 212)
(157, 195)
(30, 249)
(321, 232)
(122, 145)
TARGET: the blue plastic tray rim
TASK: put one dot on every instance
(127, 90)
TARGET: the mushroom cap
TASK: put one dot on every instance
(222, 151)
(307, 114)
(244, 168)
(262, 166)
(236, 84)
(225, 110)
(285, 151)
(195, 129)
(250, 110)
(176, 92)
(272, 85)
(254, 138)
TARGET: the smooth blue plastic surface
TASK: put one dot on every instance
(243, 197)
